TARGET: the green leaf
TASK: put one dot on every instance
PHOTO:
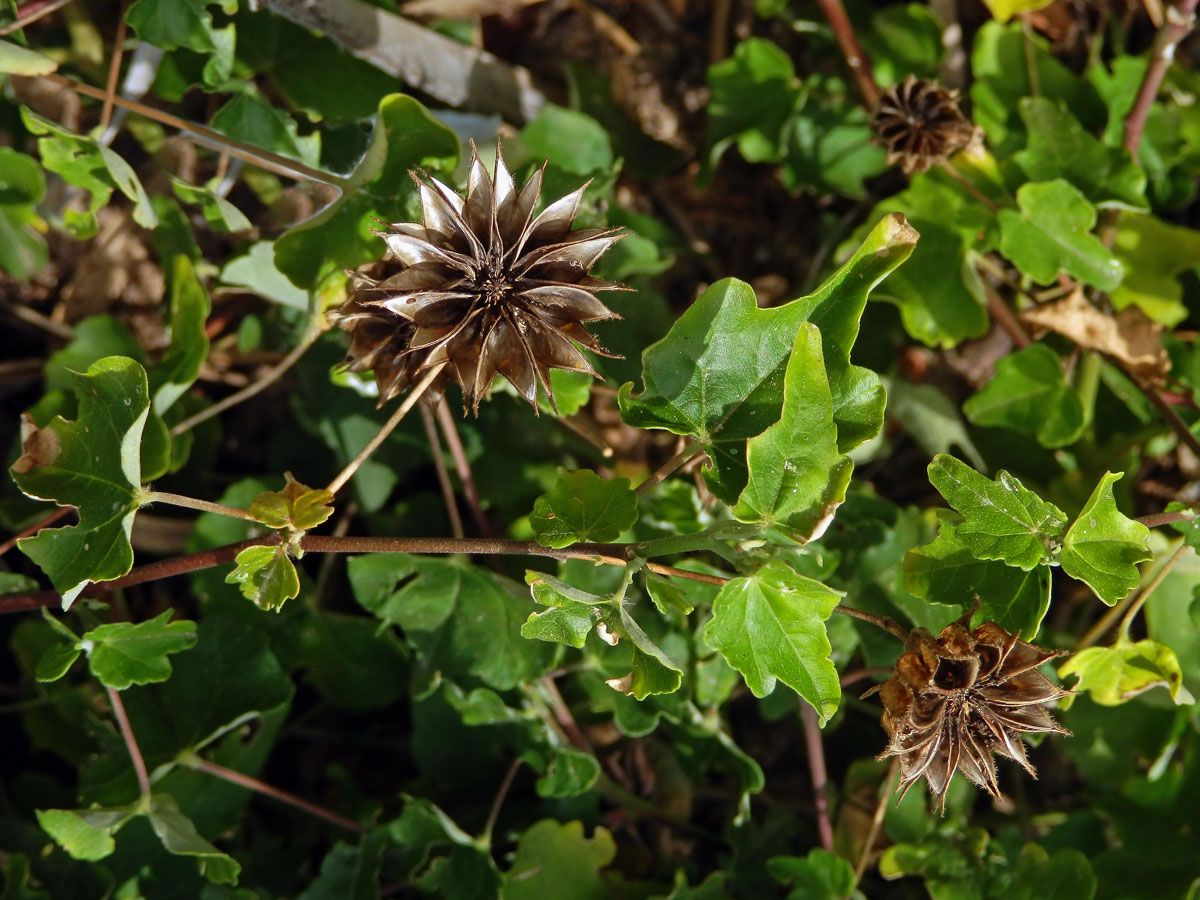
(92, 464)
(1002, 519)
(771, 625)
(219, 213)
(406, 137)
(86, 163)
(697, 381)
(1003, 10)
(171, 24)
(583, 507)
(22, 186)
(572, 141)
(179, 836)
(123, 653)
(1051, 234)
(947, 572)
(1112, 675)
(1030, 394)
(84, 833)
(819, 876)
(931, 419)
(830, 146)
(1064, 875)
(754, 93)
(250, 119)
(180, 365)
(1103, 547)
(296, 507)
(460, 619)
(1059, 147)
(569, 773)
(797, 478)
(570, 617)
(350, 873)
(256, 272)
(554, 859)
(653, 671)
(1154, 254)
(266, 575)
(18, 60)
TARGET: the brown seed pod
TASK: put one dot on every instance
(920, 124)
(957, 698)
(482, 286)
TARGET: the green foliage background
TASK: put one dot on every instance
(638, 703)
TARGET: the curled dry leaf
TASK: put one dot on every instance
(1130, 336)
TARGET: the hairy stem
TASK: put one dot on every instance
(402, 410)
(261, 787)
(131, 744)
(203, 505)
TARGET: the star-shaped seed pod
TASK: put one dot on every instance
(920, 124)
(482, 286)
(957, 698)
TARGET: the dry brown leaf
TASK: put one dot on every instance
(1130, 337)
(115, 267)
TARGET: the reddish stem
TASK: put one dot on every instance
(35, 528)
(816, 769)
(1180, 19)
(856, 59)
(131, 744)
(261, 787)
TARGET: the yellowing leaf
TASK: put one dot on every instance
(1112, 675)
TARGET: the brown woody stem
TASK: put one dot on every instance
(35, 528)
(131, 744)
(678, 461)
(887, 623)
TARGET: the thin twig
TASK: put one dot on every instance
(35, 528)
(1031, 69)
(856, 59)
(1004, 317)
(443, 474)
(114, 67)
(498, 800)
(414, 395)
(261, 787)
(261, 384)
(886, 623)
(41, 10)
(203, 505)
(678, 461)
(1167, 411)
(876, 822)
(1144, 594)
(131, 744)
(1093, 634)
(1154, 520)
(256, 156)
(463, 467)
(32, 317)
(1180, 19)
(818, 773)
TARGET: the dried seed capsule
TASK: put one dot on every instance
(483, 286)
(920, 124)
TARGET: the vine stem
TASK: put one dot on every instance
(498, 800)
(269, 378)
(131, 744)
(114, 67)
(888, 624)
(463, 467)
(1144, 594)
(818, 773)
(1004, 317)
(264, 159)
(401, 411)
(40, 10)
(676, 462)
(35, 528)
(852, 50)
(261, 787)
(1166, 518)
(1180, 19)
(1167, 411)
(203, 505)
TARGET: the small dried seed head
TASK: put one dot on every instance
(957, 698)
(482, 286)
(920, 124)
